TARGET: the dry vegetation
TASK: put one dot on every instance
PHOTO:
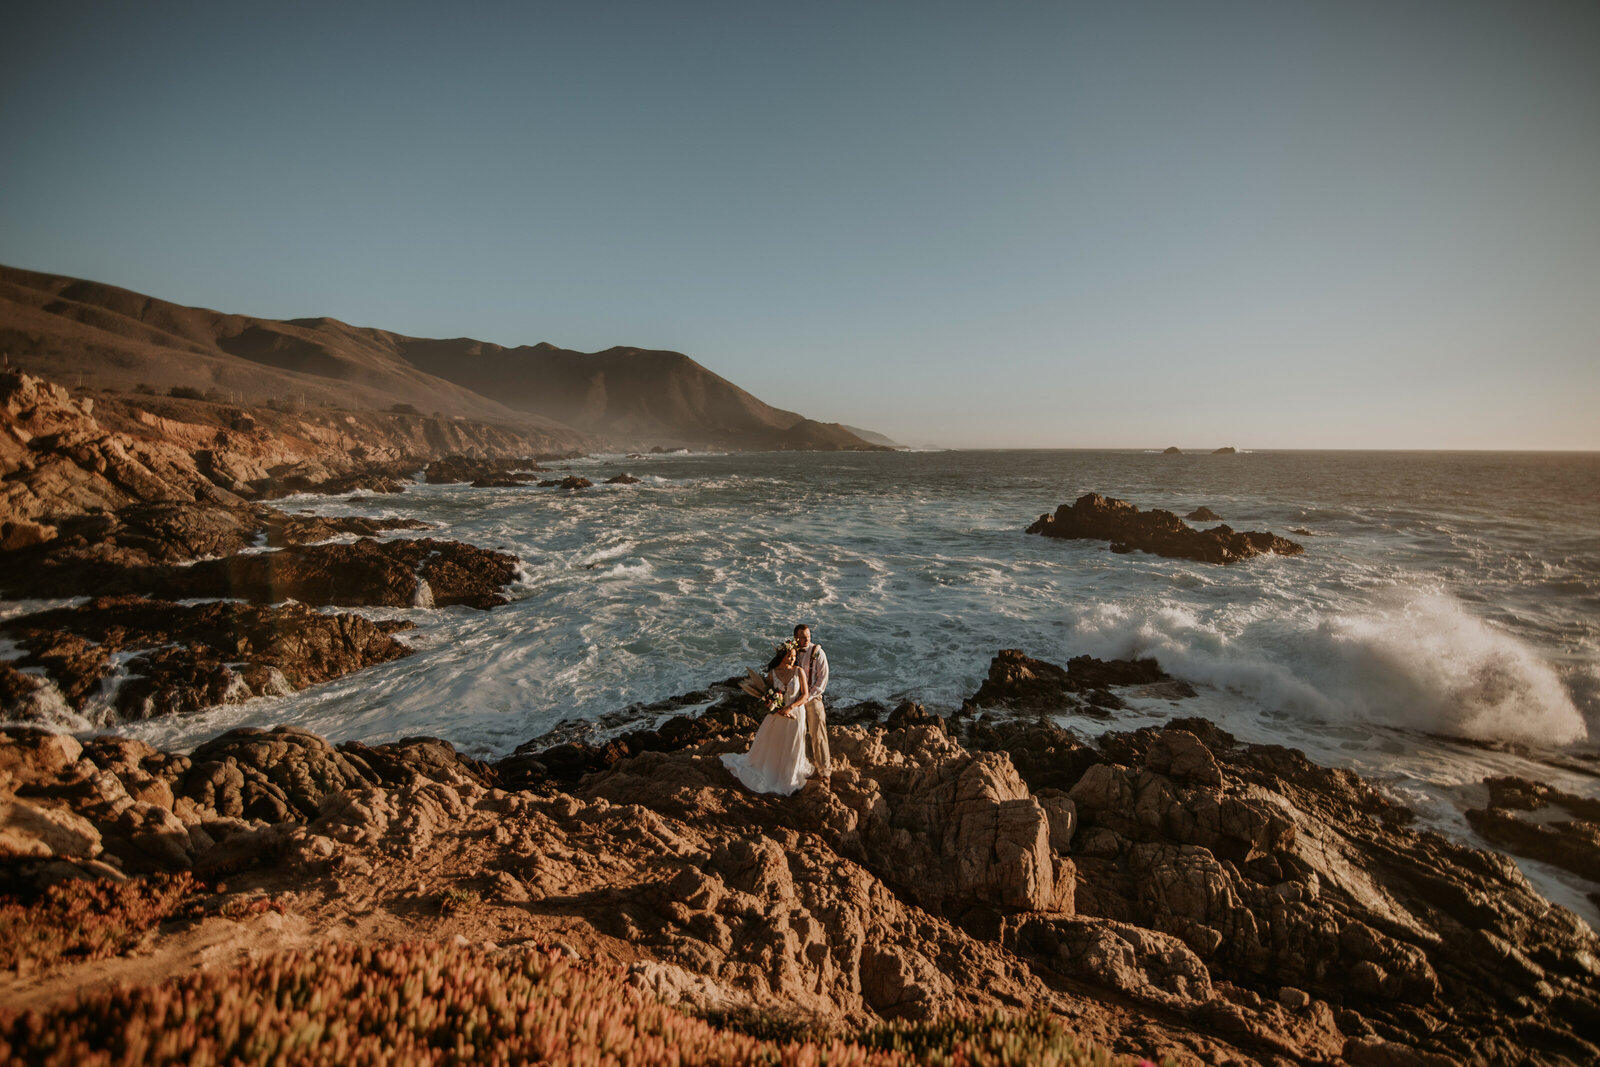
(433, 1004)
(87, 920)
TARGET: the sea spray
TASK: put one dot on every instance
(1414, 659)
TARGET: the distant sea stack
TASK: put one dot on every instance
(1225, 450)
(1173, 450)
(98, 337)
(1160, 533)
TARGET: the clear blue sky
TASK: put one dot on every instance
(1268, 224)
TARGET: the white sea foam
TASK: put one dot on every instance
(1417, 660)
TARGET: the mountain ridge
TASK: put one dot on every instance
(119, 340)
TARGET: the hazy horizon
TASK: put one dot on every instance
(1344, 227)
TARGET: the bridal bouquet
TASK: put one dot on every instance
(770, 698)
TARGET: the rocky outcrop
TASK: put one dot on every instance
(1203, 514)
(1543, 823)
(571, 481)
(1283, 876)
(474, 469)
(1172, 450)
(1019, 683)
(1170, 891)
(397, 573)
(148, 657)
(1158, 532)
(57, 461)
(1225, 450)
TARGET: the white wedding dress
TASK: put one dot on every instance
(776, 762)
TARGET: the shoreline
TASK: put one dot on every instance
(1169, 890)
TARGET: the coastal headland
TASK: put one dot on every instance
(1164, 893)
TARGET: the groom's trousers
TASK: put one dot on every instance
(817, 731)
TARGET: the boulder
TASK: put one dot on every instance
(28, 829)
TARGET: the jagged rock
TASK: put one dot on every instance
(22, 533)
(190, 653)
(1233, 902)
(950, 828)
(1159, 532)
(1572, 843)
(1151, 967)
(1203, 514)
(1021, 683)
(623, 479)
(571, 481)
(458, 468)
(1275, 873)
(277, 775)
(285, 529)
(317, 475)
(418, 759)
(58, 461)
(398, 573)
(29, 754)
(28, 829)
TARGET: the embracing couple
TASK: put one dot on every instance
(777, 760)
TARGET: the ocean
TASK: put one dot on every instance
(1442, 625)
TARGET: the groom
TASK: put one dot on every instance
(811, 659)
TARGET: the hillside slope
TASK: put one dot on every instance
(636, 394)
(85, 334)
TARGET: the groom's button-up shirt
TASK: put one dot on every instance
(816, 669)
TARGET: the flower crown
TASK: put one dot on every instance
(781, 647)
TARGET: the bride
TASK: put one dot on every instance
(776, 762)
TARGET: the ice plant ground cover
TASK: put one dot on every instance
(434, 1004)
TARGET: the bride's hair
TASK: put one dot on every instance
(781, 655)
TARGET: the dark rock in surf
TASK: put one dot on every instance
(1203, 514)
(571, 481)
(1225, 450)
(1571, 843)
(623, 479)
(314, 476)
(1020, 683)
(459, 468)
(1172, 450)
(185, 658)
(398, 573)
(1161, 533)
(285, 529)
